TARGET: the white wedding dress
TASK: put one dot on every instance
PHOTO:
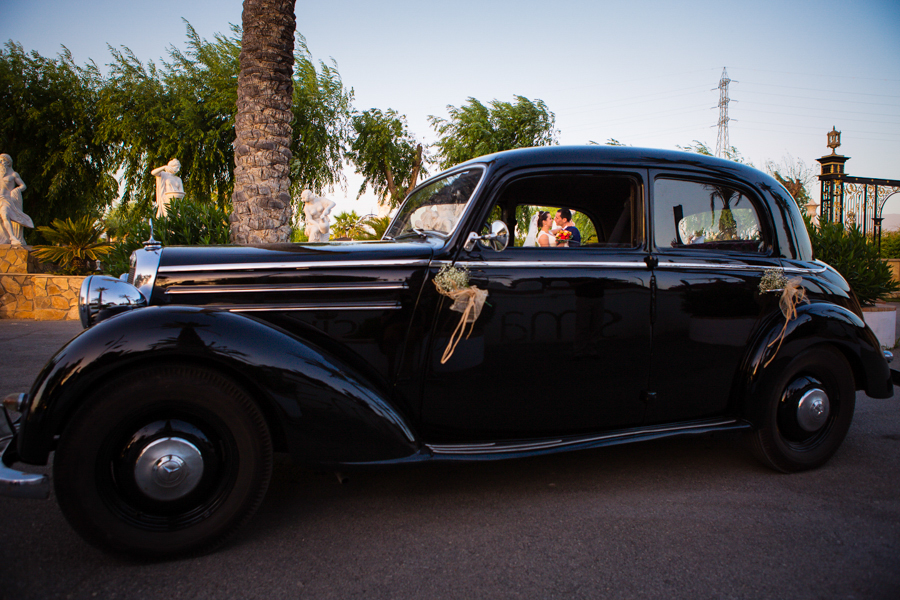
(551, 239)
(534, 234)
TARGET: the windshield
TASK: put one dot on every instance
(437, 206)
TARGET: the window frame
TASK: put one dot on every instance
(761, 208)
(637, 177)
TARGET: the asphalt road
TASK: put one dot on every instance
(684, 518)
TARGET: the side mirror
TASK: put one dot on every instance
(497, 239)
(102, 297)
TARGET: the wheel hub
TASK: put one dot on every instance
(168, 469)
(813, 410)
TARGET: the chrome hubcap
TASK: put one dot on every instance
(168, 469)
(813, 410)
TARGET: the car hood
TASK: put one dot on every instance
(278, 273)
(220, 257)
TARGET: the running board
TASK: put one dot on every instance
(537, 446)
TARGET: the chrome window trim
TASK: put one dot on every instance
(821, 269)
(531, 264)
(341, 264)
(309, 307)
(639, 264)
(245, 289)
(737, 267)
(494, 448)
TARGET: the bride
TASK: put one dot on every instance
(539, 230)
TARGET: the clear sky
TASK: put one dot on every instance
(643, 72)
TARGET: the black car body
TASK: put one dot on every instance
(164, 413)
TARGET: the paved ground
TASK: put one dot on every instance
(685, 518)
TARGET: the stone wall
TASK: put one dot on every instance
(25, 294)
(14, 259)
(39, 297)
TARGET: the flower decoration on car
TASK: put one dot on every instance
(772, 280)
(792, 295)
(453, 282)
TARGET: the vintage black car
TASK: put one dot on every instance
(165, 413)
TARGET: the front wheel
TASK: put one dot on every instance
(809, 407)
(165, 461)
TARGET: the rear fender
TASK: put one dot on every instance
(817, 323)
(327, 411)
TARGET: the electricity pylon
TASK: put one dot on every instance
(723, 146)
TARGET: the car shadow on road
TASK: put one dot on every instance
(298, 497)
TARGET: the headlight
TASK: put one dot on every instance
(102, 297)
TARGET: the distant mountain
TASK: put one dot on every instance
(891, 222)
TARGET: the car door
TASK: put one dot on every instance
(562, 345)
(712, 242)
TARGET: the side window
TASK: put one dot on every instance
(604, 209)
(529, 219)
(701, 215)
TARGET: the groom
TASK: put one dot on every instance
(563, 220)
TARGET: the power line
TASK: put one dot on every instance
(824, 75)
(830, 111)
(806, 89)
(831, 116)
(826, 99)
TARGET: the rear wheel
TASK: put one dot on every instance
(166, 461)
(809, 407)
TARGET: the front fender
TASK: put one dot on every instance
(327, 411)
(816, 323)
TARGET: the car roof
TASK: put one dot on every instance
(597, 154)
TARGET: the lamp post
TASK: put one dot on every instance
(834, 140)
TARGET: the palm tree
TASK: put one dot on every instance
(347, 225)
(262, 155)
(378, 225)
(76, 244)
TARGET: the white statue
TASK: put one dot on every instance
(168, 185)
(12, 219)
(316, 211)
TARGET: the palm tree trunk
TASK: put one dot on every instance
(262, 155)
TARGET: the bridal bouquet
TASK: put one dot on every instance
(562, 235)
(453, 282)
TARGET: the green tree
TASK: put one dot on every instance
(385, 154)
(184, 110)
(890, 244)
(475, 129)
(731, 153)
(795, 176)
(49, 127)
(321, 123)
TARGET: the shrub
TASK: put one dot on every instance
(77, 245)
(855, 257)
(890, 244)
(188, 223)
